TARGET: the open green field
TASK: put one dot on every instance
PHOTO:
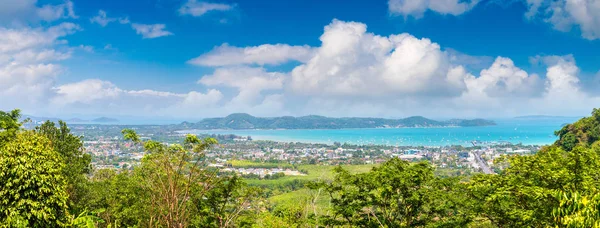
(314, 172)
(251, 164)
(285, 192)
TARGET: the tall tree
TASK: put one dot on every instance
(396, 194)
(33, 188)
(70, 147)
(532, 188)
(170, 174)
(9, 125)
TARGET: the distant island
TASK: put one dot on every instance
(105, 120)
(240, 121)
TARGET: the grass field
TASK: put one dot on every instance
(303, 196)
(251, 164)
(314, 172)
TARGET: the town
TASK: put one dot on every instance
(110, 151)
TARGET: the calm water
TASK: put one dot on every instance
(526, 131)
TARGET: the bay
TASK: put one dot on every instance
(528, 131)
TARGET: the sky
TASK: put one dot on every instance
(191, 59)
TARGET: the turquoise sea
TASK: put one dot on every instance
(537, 131)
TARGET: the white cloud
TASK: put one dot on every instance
(196, 9)
(504, 79)
(55, 12)
(352, 62)
(562, 80)
(148, 31)
(28, 68)
(250, 82)
(19, 39)
(351, 73)
(566, 14)
(417, 8)
(31, 56)
(102, 19)
(195, 101)
(356, 73)
(85, 92)
(86, 96)
(271, 54)
(151, 31)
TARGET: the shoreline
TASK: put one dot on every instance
(265, 139)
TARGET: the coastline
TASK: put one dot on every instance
(394, 137)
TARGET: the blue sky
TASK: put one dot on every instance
(190, 59)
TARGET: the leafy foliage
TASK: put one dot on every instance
(584, 132)
(576, 210)
(396, 194)
(525, 193)
(33, 190)
(77, 166)
(9, 124)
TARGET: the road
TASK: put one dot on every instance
(482, 164)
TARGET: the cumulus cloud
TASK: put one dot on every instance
(266, 54)
(193, 103)
(85, 92)
(28, 63)
(503, 79)
(417, 8)
(354, 72)
(250, 82)
(196, 8)
(352, 62)
(84, 96)
(566, 14)
(151, 31)
(351, 73)
(12, 40)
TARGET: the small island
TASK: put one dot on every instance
(105, 120)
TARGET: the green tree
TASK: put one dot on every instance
(121, 197)
(9, 125)
(70, 147)
(229, 199)
(396, 194)
(524, 194)
(33, 188)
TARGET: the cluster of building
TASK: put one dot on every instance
(260, 172)
(113, 151)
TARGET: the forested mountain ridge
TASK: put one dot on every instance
(245, 121)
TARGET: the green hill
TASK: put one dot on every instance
(246, 121)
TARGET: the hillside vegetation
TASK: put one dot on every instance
(46, 181)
